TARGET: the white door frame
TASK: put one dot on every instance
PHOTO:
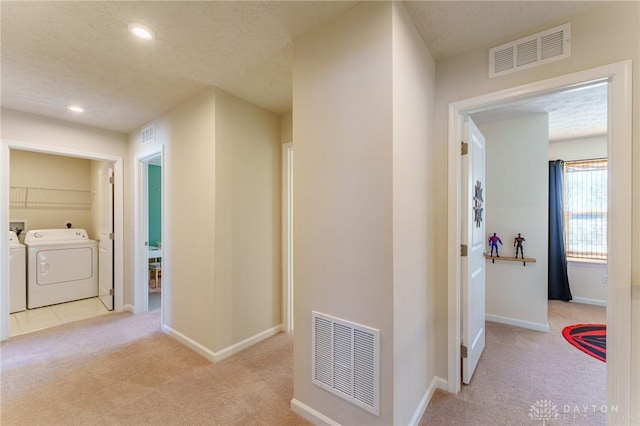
(619, 76)
(118, 220)
(141, 229)
(287, 237)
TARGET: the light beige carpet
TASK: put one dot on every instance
(521, 370)
(119, 369)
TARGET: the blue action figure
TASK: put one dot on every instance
(517, 243)
(493, 243)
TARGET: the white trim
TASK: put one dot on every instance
(129, 308)
(226, 352)
(308, 413)
(436, 383)
(587, 301)
(619, 244)
(287, 237)
(118, 219)
(517, 323)
(234, 349)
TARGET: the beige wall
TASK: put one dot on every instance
(413, 250)
(247, 220)
(286, 128)
(608, 34)
(51, 133)
(517, 199)
(363, 102)
(221, 246)
(343, 234)
(38, 170)
(578, 149)
(188, 132)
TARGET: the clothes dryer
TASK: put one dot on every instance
(17, 274)
(62, 265)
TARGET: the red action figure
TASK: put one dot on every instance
(493, 243)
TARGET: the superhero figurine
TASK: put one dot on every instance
(517, 243)
(493, 243)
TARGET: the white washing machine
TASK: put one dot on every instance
(17, 275)
(62, 265)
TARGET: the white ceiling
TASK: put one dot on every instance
(573, 114)
(59, 53)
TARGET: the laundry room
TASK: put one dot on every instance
(49, 191)
(55, 198)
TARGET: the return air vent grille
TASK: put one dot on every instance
(345, 360)
(537, 49)
(148, 134)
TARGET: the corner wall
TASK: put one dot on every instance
(343, 228)
(414, 326)
(247, 220)
(221, 248)
(363, 130)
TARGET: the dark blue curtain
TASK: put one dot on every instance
(558, 278)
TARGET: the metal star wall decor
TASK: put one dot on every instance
(477, 201)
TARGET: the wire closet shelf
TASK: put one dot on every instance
(31, 197)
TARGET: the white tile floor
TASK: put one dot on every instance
(50, 316)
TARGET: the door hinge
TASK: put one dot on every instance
(111, 180)
(463, 351)
(112, 236)
(110, 292)
(464, 148)
(463, 250)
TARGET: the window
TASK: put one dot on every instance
(585, 203)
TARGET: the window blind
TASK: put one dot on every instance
(586, 208)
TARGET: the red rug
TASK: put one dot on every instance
(589, 338)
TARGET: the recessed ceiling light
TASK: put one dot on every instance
(75, 108)
(141, 31)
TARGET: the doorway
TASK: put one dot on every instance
(287, 237)
(118, 214)
(149, 233)
(617, 76)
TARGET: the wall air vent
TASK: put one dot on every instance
(346, 360)
(148, 134)
(537, 49)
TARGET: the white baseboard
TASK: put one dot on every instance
(234, 349)
(587, 301)
(224, 353)
(518, 323)
(315, 417)
(129, 308)
(436, 383)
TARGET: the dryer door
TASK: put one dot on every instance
(63, 265)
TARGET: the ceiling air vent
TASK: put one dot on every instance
(148, 134)
(537, 49)
(345, 360)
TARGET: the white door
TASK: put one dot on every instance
(105, 243)
(473, 237)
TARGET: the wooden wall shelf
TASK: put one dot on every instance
(511, 259)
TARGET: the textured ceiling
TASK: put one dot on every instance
(453, 27)
(80, 52)
(573, 114)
